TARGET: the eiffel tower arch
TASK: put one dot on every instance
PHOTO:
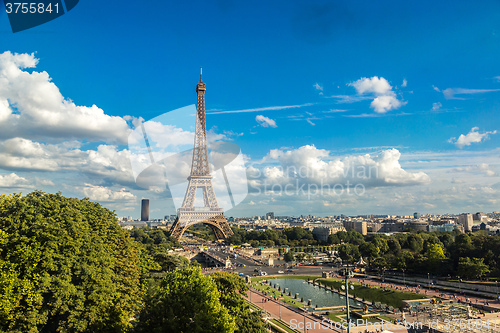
(210, 213)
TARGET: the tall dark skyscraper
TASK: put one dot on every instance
(145, 210)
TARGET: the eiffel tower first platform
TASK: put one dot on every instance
(210, 214)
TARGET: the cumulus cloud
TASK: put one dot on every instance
(105, 194)
(106, 161)
(480, 168)
(310, 165)
(382, 104)
(265, 121)
(472, 137)
(436, 106)
(13, 181)
(33, 107)
(405, 83)
(385, 98)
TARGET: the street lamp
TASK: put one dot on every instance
(459, 286)
(428, 281)
(348, 274)
(498, 297)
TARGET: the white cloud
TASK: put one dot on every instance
(310, 122)
(382, 104)
(436, 106)
(105, 194)
(13, 181)
(33, 107)
(405, 83)
(265, 121)
(310, 165)
(267, 108)
(436, 88)
(317, 86)
(472, 137)
(385, 98)
(481, 168)
(451, 93)
(375, 85)
(106, 161)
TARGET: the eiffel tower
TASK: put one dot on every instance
(210, 214)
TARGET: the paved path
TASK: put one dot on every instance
(295, 317)
(434, 293)
(298, 319)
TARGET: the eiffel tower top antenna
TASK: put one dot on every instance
(201, 72)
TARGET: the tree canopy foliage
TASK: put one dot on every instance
(231, 288)
(65, 266)
(442, 253)
(186, 301)
(287, 237)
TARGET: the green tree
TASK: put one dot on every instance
(415, 243)
(300, 257)
(288, 257)
(474, 268)
(370, 251)
(380, 263)
(231, 288)
(169, 262)
(67, 266)
(434, 252)
(185, 302)
(394, 245)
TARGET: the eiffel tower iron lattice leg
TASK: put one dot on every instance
(210, 213)
(218, 224)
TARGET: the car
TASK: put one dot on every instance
(263, 273)
(241, 274)
(289, 270)
(280, 272)
(256, 270)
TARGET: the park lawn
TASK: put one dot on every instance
(484, 283)
(282, 326)
(386, 318)
(334, 316)
(374, 294)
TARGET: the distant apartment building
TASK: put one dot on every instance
(417, 215)
(446, 227)
(466, 220)
(481, 217)
(322, 233)
(270, 216)
(392, 226)
(359, 226)
(418, 225)
(373, 227)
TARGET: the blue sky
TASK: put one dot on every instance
(416, 86)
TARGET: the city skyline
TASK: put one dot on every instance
(398, 99)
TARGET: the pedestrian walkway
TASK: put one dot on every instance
(456, 295)
(300, 320)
